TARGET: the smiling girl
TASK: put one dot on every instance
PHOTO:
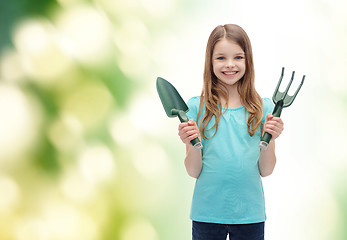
(229, 118)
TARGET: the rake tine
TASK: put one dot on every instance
(274, 99)
(283, 100)
(296, 92)
(289, 84)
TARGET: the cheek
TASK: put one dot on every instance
(217, 65)
(214, 68)
(243, 66)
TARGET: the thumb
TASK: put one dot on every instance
(269, 116)
(191, 122)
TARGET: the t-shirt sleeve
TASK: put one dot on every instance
(268, 107)
(193, 105)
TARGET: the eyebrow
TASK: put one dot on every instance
(237, 54)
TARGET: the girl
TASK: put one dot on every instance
(229, 118)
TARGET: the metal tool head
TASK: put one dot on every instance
(170, 98)
(283, 96)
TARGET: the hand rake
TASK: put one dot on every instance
(280, 100)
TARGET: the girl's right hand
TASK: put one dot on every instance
(188, 131)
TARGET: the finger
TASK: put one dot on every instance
(193, 136)
(187, 131)
(189, 128)
(191, 122)
(274, 130)
(273, 134)
(182, 125)
(187, 139)
(269, 116)
(190, 132)
(277, 119)
(274, 125)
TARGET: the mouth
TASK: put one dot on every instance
(229, 73)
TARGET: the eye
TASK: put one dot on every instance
(239, 57)
(220, 58)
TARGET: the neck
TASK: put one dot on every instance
(233, 98)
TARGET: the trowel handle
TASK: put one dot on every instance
(265, 140)
(195, 142)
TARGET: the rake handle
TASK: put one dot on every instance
(265, 140)
(183, 118)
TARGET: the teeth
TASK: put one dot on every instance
(229, 73)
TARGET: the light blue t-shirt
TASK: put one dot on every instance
(229, 189)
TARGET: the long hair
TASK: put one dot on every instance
(212, 92)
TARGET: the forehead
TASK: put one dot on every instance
(226, 46)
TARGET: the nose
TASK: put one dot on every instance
(230, 63)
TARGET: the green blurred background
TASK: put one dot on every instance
(86, 150)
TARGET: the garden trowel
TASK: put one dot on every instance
(174, 105)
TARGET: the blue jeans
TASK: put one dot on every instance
(215, 231)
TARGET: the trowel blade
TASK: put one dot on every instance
(170, 97)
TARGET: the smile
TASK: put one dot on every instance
(230, 73)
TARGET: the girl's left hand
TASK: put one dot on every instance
(273, 125)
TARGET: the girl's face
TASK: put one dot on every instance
(228, 61)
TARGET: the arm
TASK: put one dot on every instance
(267, 158)
(193, 161)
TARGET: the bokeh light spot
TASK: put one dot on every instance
(66, 133)
(75, 187)
(10, 194)
(137, 227)
(96, 164)
(159, 9)
(10, 67)
(41, 55)
(89, 103)
(151, 161)
(18, 123)
(31, 228)
(86, 34)
(132, 39)
(147, 113)
(66, 222)
(123, 131)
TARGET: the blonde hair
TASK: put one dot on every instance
(212, 91)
